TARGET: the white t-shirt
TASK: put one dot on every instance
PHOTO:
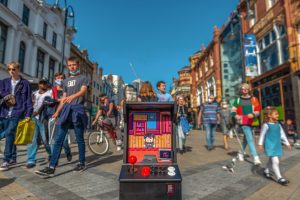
(13, 87)
(39, 99)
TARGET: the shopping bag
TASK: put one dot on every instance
(185, 125)
(24, 133)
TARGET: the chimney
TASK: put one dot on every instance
(100, 74)
(84, 53)
(95, 68)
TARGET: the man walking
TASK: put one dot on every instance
(18, 104)
(209, 114)
(72, 114)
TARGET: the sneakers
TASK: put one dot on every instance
(47, 172)
(12, 162)
(4, 166)
(257, 160)
(30, 165)
(79, 168)
(241, 156)
(118, 142)
(283, 181)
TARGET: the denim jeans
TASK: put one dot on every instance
(248, 139)
(9, 132)
(65, 145)
(181, 137)
(62, 131)
(210, 130)
(33, 147)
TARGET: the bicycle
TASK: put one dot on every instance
(98, 141)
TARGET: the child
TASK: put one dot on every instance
(270, 140)
(290, 130)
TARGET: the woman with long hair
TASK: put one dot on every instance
(147, 93)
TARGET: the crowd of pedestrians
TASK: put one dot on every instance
(60, 108)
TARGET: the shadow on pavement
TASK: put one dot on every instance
(5, 182)
(110, 159)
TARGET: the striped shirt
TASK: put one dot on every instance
(209, 112)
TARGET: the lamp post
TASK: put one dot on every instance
(67, 8)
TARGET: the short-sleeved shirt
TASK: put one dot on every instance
(209, 112)
(72, 85)
(164, 97)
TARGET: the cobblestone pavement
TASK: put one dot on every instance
(203, 177)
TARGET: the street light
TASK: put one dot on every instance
(67, 8)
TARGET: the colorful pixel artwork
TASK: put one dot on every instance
(150, 136)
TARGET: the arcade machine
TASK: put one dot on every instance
(149, 169)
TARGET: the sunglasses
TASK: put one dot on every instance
(11, 69)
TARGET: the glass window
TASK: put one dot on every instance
(3, 37)
(285, 48)
(271, 96)
(260, 45)
(54, 38)
(22, 51)
(211, 60)
(269, 58)
(273, 34)
(40, 64)
(267, 40)
(45, 27)
(4, 2)
(231, 61)
(25, 16)
(51, 70)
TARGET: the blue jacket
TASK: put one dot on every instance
(77, 113)
(23, 107)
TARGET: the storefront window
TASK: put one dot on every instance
(288, 98)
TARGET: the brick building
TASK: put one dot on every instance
(276, 26)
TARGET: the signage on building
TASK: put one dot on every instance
(250, 53)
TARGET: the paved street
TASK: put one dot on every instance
(203, 177)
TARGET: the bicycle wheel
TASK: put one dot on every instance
(97, 144)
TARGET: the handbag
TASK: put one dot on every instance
(184, 125)
(24, 133)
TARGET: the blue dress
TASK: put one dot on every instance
(272, 143)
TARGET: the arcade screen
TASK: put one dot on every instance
(150, 136)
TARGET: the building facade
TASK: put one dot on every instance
(32, 33)
(205, 72)
(118, 86)
(275, 28)
(182, 86)
(130, 93)
(231, 57)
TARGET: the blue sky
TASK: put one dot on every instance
(156, 36)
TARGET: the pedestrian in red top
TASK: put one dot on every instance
(245, 109)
